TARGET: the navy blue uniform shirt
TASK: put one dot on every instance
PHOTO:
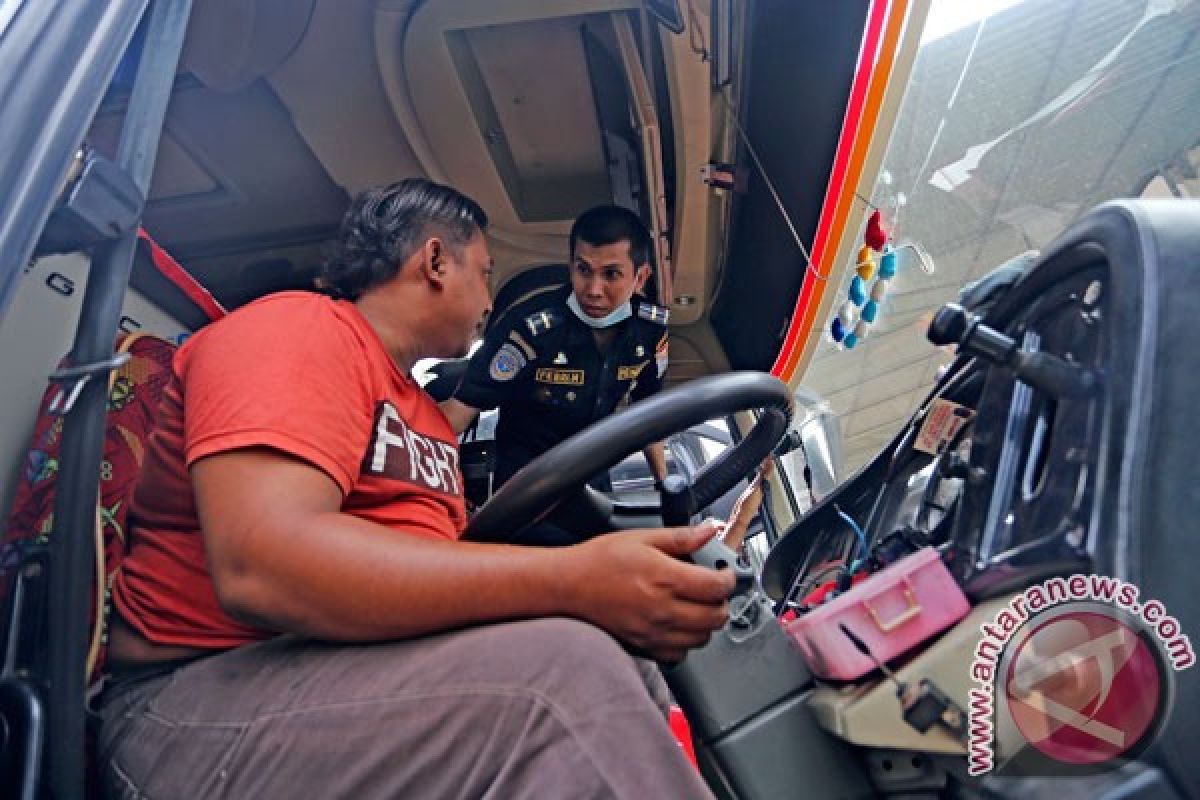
(540, 365)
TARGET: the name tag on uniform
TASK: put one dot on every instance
(630, 372)
(561, 377)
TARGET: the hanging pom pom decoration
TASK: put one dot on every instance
(858, 291)
(870, 309)
(875, 237)
(856, 316)
(866, 263)
(862, 329)
(848, 315)
(887, 264)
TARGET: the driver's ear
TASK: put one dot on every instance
(433, 261)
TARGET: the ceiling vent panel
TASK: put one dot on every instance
(540, 129)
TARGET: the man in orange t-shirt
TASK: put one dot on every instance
(296, 615)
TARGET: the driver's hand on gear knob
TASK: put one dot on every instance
(635, 585)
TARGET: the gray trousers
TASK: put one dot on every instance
(550, 708)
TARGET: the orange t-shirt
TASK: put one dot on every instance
(306, 375)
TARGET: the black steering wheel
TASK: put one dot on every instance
(560, 475)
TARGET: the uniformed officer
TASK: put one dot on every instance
(565, 357)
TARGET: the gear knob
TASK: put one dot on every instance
(953, 324)
(949, 325)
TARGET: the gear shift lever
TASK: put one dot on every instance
(678, 508)
(953, 324)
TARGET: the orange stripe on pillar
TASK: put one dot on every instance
(857, 135)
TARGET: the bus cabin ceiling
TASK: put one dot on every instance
(284, 109)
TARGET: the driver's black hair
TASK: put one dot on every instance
(385, 225)
(611, 224)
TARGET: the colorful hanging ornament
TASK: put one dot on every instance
(866, 263)
(875, 236)
(887, 264)
(870, 309)
(858, 291)
(848, 315)
(856, 316)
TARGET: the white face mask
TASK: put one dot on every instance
(618, 314)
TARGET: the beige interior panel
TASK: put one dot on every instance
(697, 231)
(695, 352)
(332, 86)
(232, 43)
(424, 83)
(646, 121)
(511, 259)
(499, 83)
(533, 73)
(869, 713)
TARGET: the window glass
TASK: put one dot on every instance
(8, 10)
(818, 446)
(1018, 118)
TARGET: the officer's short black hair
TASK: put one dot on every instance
(611, 224)
(385, 225)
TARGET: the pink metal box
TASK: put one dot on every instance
(892, 611)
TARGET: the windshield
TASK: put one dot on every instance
(1014, 123)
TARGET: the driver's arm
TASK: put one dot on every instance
(285, 558)
(272, 458)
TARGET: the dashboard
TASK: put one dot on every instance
(1061, 440)
(999, 466)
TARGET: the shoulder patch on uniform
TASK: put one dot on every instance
(541, 321)
(507, 362)
(654, 313)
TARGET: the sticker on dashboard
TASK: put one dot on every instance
(942, 423)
